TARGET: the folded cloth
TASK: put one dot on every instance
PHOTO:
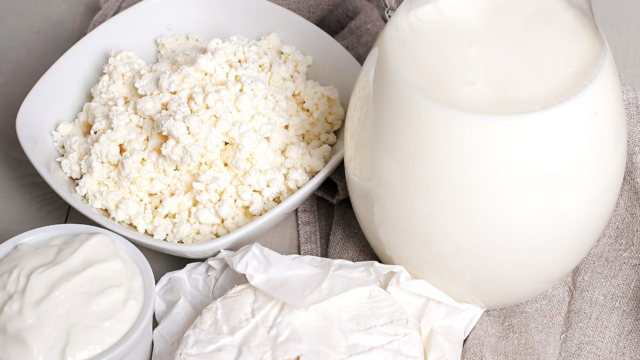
(593, 313)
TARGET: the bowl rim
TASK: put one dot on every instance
(193, 250)
(145, 318)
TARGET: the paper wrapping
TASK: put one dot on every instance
(303, 281)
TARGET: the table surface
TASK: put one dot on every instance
(35, 33)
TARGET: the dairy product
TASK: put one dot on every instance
(505, 56)
(67, 298)
(364, 323)
(485, 144)
(258, 304)
(203, 142)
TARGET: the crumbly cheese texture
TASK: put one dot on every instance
(248, 324)
(202, 142)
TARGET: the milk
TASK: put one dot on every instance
(485, 144)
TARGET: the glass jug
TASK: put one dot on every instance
(485, 144)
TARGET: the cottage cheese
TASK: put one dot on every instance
(202, 142)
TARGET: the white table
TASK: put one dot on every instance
(35, 33)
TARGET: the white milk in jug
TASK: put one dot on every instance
(485, 144)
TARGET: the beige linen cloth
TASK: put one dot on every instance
(593, 313)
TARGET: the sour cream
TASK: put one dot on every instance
(68, 299)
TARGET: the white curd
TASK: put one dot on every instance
(67, 299)
(204, 141)
(485, 144)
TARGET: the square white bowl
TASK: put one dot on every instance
(62, 91)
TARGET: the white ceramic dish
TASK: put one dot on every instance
(136, 344)
(65, 87)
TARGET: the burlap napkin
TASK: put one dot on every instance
(593, 313)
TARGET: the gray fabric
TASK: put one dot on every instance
(593, 313)
(327, 225)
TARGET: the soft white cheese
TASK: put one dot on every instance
(258, 304)
(245, 324)
(202, 142)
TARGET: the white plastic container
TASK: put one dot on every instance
(136, 345)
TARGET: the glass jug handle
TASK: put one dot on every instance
(390, 7)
